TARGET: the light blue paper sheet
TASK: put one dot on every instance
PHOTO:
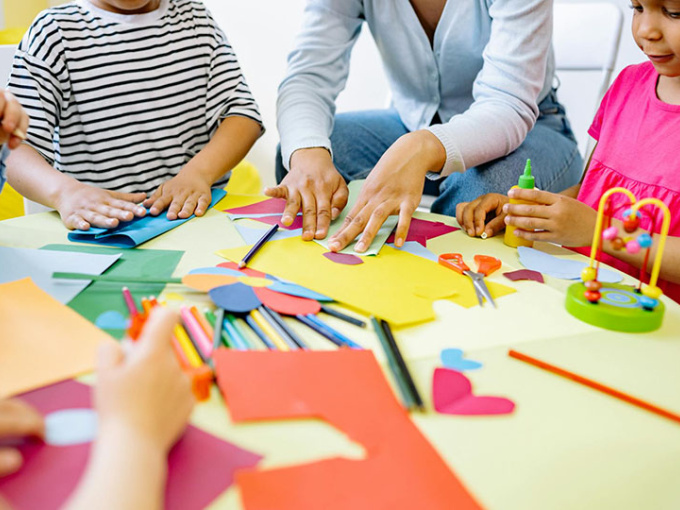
(133, 233)
(561, 268)
(252, 235)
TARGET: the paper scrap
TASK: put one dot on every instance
(343, 258)
(18, 263)
(41, 340)
(70, 426)
(111, 320)
(452, 394)
(401, 468)
(415, 248)
(421, 230)
(286, 304)
(207, 282)
(453, 359)
(235, 298)
(267, 206)
(51, 473)
(252, 235)
(524, 274)
(557, 267)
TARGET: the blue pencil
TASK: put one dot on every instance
(312, 325)
(237, 341)
(347, 341)
(260, 334)
(259, 244)
(285, 328)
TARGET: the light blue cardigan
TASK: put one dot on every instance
(490, 66)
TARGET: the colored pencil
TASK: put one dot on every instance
(345, 340)
(187, 347)
(401, 363)
(595, 385)
(243, 330)
(196, 332)
(202, 322)
(113, 278)
(283, 329)
(217, 330)
(129, 302)
(258, 245)
(213, 322)
(320, 330)
(339, 315)
(190, 332)
(406, 397)
(181, 355)
(268, 330)
(237, 341)
(258, 331)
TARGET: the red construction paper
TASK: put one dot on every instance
(347, 389)
(286, 304)
(269, 206)
(200, 466)
(422, 230)
(297, 222)
(524, 274)
(245, 270)
(343, 258)
(452, 394)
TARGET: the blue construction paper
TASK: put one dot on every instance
(18, 263)
(417, 249)
(453, 359)
(111, 320)
(293, 289)
(235, 298)
(561, 268)
(252, 235)
(133, 233)
(70, 427)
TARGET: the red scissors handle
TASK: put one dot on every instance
(453, 261)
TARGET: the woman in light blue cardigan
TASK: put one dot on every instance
(472, 99)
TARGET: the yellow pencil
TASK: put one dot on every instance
(187, 346)
(269, 331)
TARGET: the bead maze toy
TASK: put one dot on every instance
(620, 307)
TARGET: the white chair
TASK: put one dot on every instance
(586, 38)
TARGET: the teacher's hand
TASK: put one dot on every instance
(394, 186)
(315, 186)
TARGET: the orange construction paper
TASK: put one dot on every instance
(207, 282)
(41, 340)
(347, 389)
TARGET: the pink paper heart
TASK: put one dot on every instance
(452, 394)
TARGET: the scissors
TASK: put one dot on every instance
(485, 266)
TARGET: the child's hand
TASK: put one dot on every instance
(83, 206)
(558, 218)
(14, 120)
(183, 195)
(144, 398)
(472, 216)
(17, 420)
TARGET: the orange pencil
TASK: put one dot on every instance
(595, 385)
(202, 321)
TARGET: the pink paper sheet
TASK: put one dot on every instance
(422, 230)
(452, 394)
(524, 274)
(201, 466)
(269, 206)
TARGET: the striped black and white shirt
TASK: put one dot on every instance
(123, 102)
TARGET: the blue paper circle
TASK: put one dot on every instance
(235, 298)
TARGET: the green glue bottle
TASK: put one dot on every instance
(526, 181)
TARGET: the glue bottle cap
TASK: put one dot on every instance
(527, 180)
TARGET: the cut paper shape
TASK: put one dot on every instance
(417, 249)
(233, 200)
(111, 320)
(130, 234)
(173, 296)
(394, 278)
(70, 427)
(285, 304)
(240, 271)
(347, 389)
(524, 274)
(452, 394)
(293, 289)
(421, 230)
(252, 235)
(267, 206)
(556, 267)
(18, 263)
(235, 298)
(453, 359)
(271, 220)
(253, 281)
(100, 296)
(343, 258)
(207, 282)
(380, 237)
(51, 473)
(41, 340)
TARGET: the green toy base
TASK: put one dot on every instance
(618, 309)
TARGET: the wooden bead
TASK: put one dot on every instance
(593, 285)
(592, 295)
(617, 243)
(631, 223)
(588, 274)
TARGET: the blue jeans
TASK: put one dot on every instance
(359, 139)
(4, 152)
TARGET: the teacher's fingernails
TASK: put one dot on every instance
(335, 212)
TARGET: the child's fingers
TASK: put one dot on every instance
(157, 333)
(161, 204)
(135, 198)
(188, 207)
(528, 210)
(10, 461)
(527, 223)
(75, 221)
(495, 226)
(203, 204)
(18, 419)
(96, 219)
(11, 113)
(533, 195)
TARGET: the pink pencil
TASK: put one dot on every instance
(196, 331)
(130, 303)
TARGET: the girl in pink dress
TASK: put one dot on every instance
(637, 129)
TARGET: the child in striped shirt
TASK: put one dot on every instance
(128, 98)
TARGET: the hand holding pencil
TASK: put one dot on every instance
(14, 120)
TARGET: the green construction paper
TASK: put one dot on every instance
(103, 296)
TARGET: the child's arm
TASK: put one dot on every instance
(79, 205)
(143, 401)
(189, 191)
(17, 420)
(14, 120)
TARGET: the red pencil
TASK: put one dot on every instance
(595, 385)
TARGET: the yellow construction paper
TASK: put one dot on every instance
(389, 285)
(233, 201)
(41, 340)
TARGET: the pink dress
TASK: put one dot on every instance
(638, 149)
